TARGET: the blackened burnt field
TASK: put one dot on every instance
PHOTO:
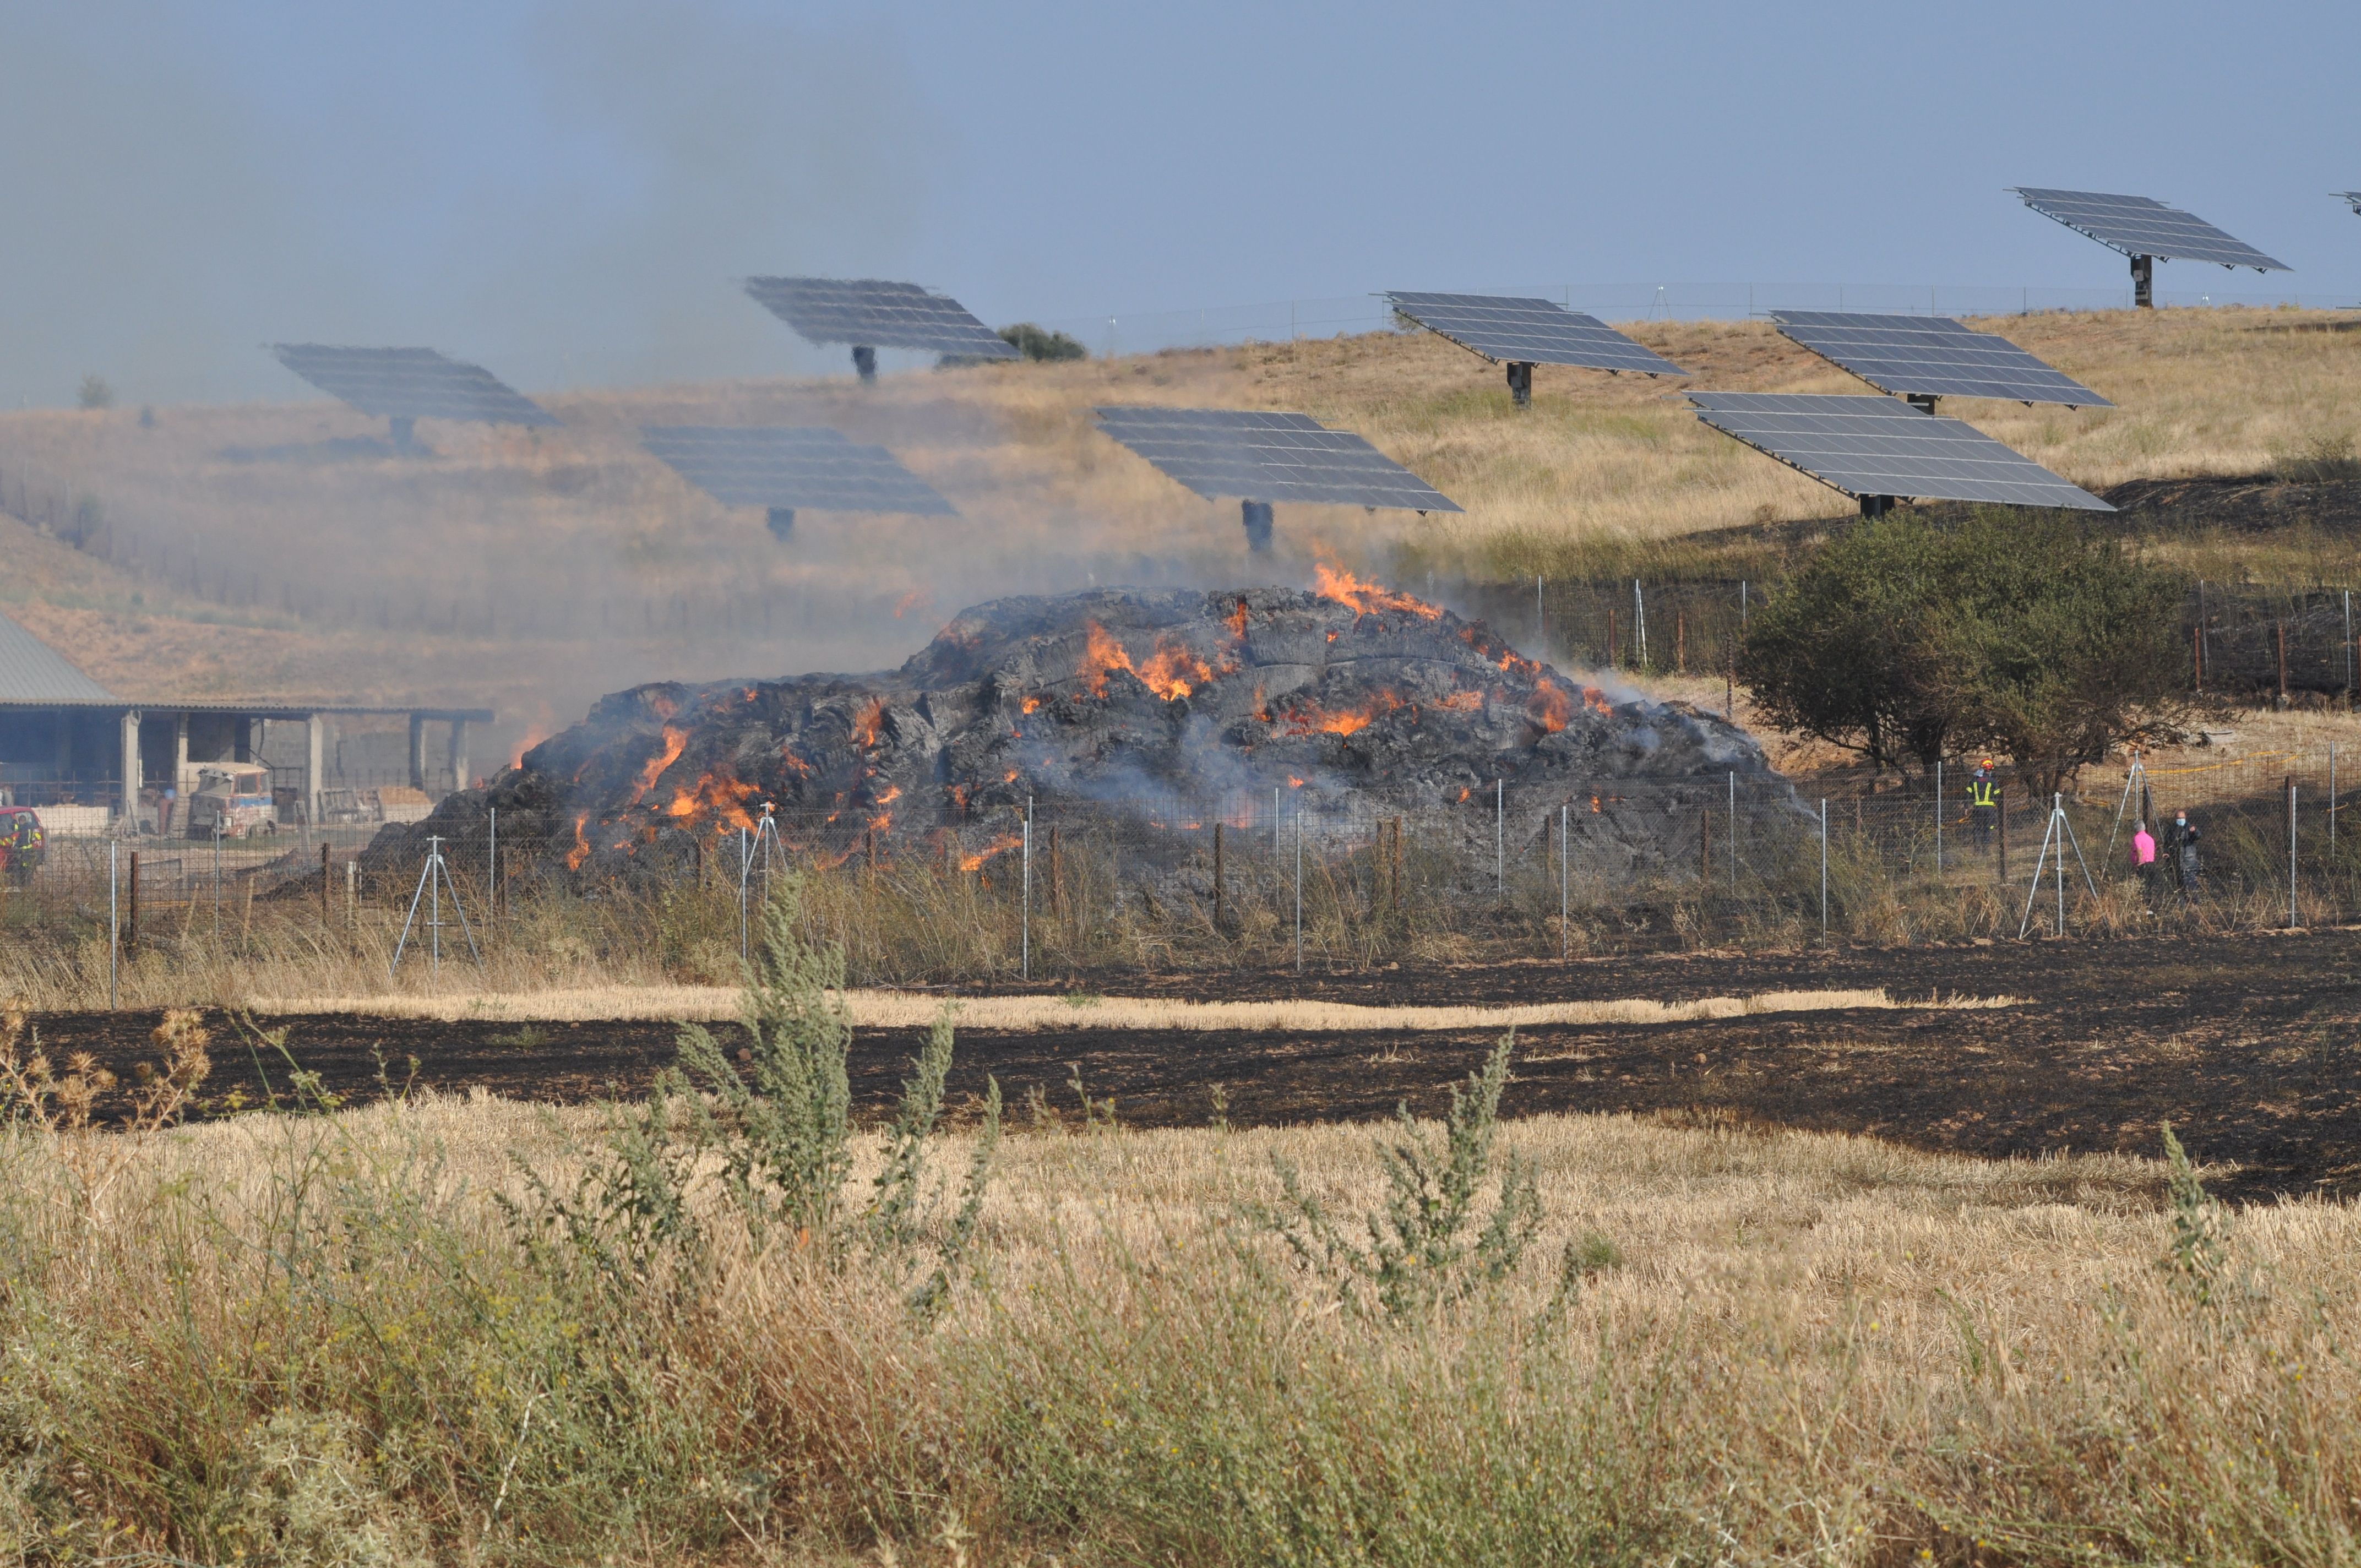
(2250, 1045)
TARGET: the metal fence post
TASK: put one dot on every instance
(1564, 854)
(1733, 833)
(1499, 841)
(1299, 887)
(1824, 867)
(114, 918)
(491, 905)
(1938, 816)
(2292, 922)
(1025, 901)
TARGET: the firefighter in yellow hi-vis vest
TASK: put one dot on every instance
(1983, 801)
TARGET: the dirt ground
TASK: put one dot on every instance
(2247, 1045)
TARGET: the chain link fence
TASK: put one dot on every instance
(1507, 871)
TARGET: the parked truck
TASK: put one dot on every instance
(237, 798)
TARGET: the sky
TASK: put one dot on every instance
(568, 194)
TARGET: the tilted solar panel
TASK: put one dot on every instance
(1879, 446)
(1531, 331)
(1269, 457)
(1932, 356)
(792, 468)
(410, 383)
(2138, 226)
(873, 314)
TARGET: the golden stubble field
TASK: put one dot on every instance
(313, 1340)
(534, 570)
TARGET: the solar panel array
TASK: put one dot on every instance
(1269, 457)
(877, 314)
(2138, 226)
(410, 383)
(1530, 332)
(1878, 446)
(1932, 356)
(792, 468)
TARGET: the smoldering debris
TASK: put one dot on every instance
(1357, 701)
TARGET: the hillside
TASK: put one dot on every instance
(280, 548)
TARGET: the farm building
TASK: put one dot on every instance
(93, 760)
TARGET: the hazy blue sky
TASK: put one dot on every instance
(567, 191)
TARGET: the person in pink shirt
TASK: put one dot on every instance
(2144, 856)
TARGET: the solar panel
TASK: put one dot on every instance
(1530, 332)
(876, 315)
(410, 383)
(1269, 457)
(1879, 446)
(2138, 226)
(1932, 356)
(792, 468)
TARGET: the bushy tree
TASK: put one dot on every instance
(95, 394)
(1041, 342)
(2015, 632)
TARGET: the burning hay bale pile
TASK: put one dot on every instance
(1358, 702)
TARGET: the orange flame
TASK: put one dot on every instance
(998, 845)
(674, 742)
(1032, 704)
(1462, 702)
(866, 726)
(1172, 672)
(1236, 621)
(1550, 708)
(882, 823)
(717, 796)
(1313, 719)
(1331, 581)
(908, 602)
(893, 792)
(581, 850)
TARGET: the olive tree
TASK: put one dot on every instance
(2018, 632)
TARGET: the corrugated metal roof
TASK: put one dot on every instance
(32, 671)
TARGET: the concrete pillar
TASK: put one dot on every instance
(417, 752)
(131, 770)
(249, 745)
(178, 782)
(64, 723)
(458, 753)
(314, 732)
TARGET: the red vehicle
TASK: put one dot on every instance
(23, 846)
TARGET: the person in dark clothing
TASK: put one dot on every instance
(2186, 870)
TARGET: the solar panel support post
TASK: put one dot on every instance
(1923, 402)
(865, 362)
(1876, 506)
(1256, 515)
(781, 522)
(2144, 283)
(1521, 383)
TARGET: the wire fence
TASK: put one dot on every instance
(1508, 870)
(1205, 326)
(2243, 641)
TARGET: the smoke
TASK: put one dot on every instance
(568, 195)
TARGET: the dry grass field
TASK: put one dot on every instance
(318, 1340)
(269, 547)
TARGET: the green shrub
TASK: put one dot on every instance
(2012, 631)
(1419, 1252)
(1042, 343)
